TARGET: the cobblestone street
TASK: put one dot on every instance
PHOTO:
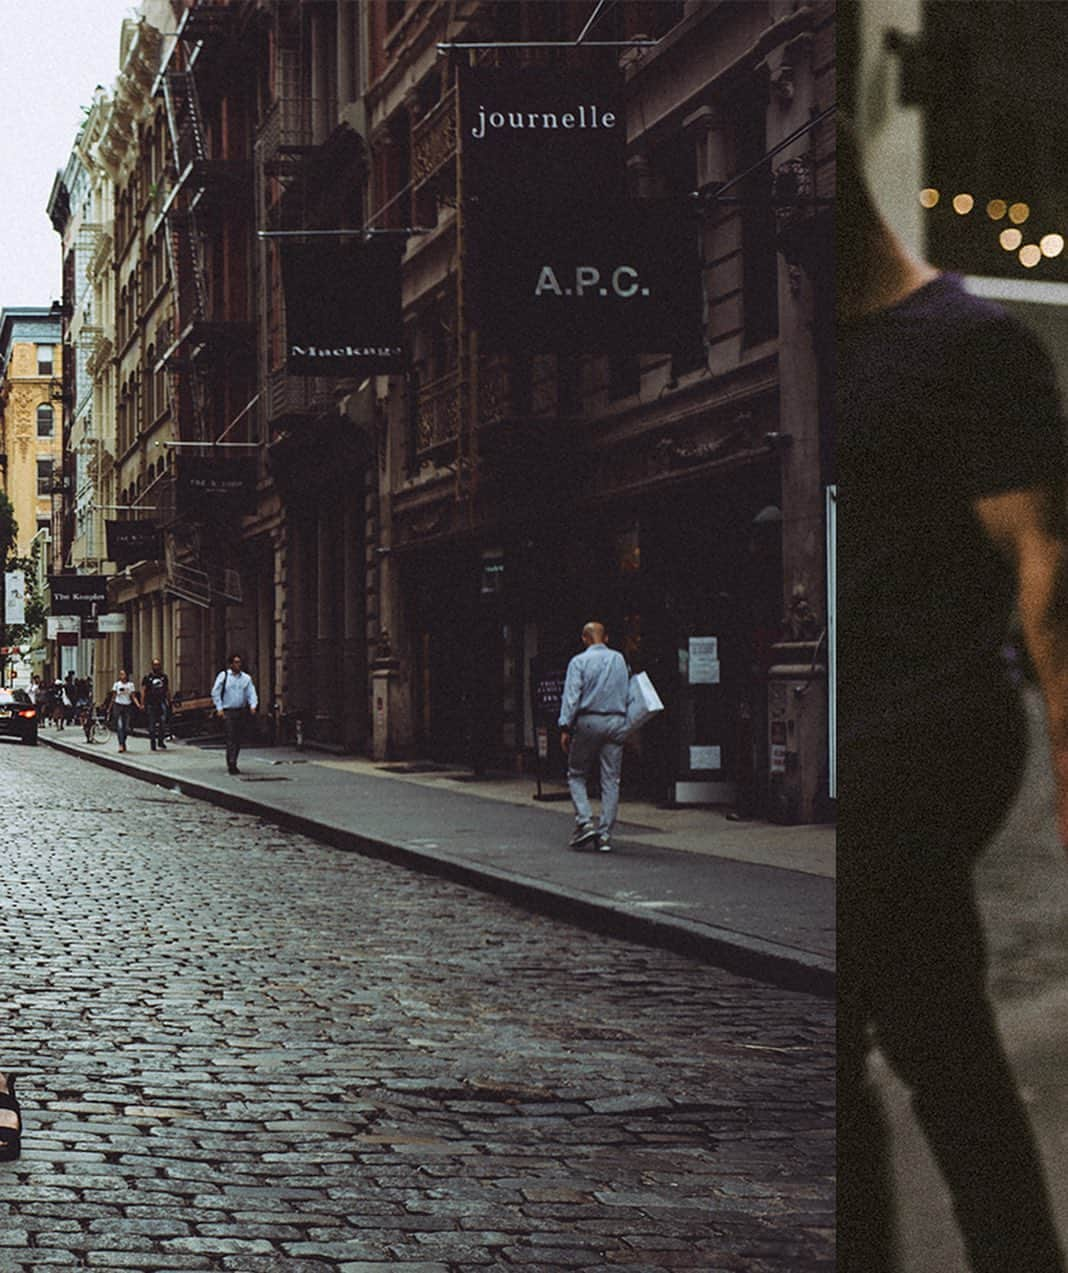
(239, 1049)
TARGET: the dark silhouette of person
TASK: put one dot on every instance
(951, 511)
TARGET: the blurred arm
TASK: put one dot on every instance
(1029, 526)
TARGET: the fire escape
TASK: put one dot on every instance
(202, 343)
(286, 147)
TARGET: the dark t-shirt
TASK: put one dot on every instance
(942, 399)
(155, 688)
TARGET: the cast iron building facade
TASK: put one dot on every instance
(406, 551)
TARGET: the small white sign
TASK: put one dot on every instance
(111, 623)
(15, 597)
(778, 758)
(57, 623)
(706, 758)
(704, 660)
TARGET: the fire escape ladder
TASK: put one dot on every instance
(184, 249)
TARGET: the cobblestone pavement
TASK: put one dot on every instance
(242, 1050)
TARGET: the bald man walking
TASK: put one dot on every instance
(593, 711)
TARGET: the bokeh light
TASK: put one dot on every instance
(996, 209)
(1030, 255)
(929, 198)
(963, 203)
(1010, 240)
(1051, 244)
(1018, 213)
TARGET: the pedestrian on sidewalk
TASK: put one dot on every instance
(234, 696)
(156, 694)
(952, 476)
(10, 1120)
(593, 711)
(70, 698)
(58, 704)
(121, 701)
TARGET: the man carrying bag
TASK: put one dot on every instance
(593, 714)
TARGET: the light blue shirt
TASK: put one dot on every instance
(231, 691)
(596, 681)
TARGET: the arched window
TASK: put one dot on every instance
(45, 421)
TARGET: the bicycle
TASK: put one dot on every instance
(97, 729)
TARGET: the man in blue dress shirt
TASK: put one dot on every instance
(235, 700)
(593, 711)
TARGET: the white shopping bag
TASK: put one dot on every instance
(643, 702)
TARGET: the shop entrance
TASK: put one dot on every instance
(698, 605)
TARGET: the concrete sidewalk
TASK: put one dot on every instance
(749, 896)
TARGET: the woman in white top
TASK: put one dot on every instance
(123, 699)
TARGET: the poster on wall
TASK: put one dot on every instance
(15, 597)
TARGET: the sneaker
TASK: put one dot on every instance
(584, 833)
(604, 844)
(162, 746)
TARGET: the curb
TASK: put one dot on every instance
(740, 953)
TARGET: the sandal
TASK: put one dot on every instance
(10, 1137)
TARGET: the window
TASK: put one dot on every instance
(44, 421)
(44, 477)
(43, 523)
(45, 356)
(995, 137)
(760, 253)
(624, 376)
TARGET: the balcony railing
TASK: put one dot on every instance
(290, 398)
(439, 403)
(434, 140)
(291, 129)
(438, 415)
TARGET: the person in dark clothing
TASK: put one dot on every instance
(951, 498)
(156, 696)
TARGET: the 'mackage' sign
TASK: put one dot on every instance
(541, 137)
(343, 306)
(615, 278)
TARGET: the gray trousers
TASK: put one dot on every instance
(234, 719)
(596, 739)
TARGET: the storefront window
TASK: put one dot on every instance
(991, 77)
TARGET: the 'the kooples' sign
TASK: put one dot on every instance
(541, 137)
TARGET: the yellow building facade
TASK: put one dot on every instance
(31, 417)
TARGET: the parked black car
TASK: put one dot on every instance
(18, 716)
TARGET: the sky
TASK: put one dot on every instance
(53, 53)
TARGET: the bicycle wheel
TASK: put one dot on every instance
(101, 732)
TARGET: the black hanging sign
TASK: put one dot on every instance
(622, 277)
(130, 541)
(78, 594)
(222, 483)
(343, 306)
(541, 137)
